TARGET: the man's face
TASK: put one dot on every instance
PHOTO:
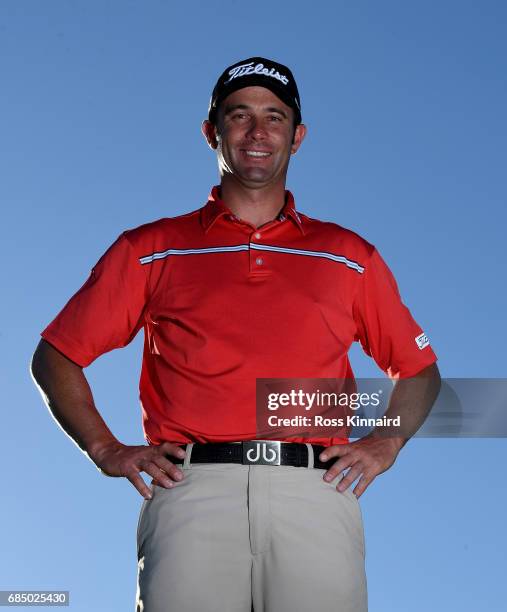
(254, 136)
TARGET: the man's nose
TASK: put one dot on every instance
(256, 130)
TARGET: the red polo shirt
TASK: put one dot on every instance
(223, 303)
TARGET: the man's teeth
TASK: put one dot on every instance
(257, 153)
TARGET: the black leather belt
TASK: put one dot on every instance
(258, 452)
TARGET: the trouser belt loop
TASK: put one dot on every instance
(310, 456)
(188, 455)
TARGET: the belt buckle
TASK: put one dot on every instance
(261, 452)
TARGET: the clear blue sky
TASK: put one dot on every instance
(100, 111)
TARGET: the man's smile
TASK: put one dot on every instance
(254, 153)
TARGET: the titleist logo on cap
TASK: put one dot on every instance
(244, 69)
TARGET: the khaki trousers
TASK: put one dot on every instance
(230, 536)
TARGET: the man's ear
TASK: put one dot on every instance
(210, 133)
(299, 136)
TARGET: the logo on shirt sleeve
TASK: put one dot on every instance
(422, 341)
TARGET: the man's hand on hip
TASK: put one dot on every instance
(117, 459)
(68, 396)
(411, 400)
(367, 458)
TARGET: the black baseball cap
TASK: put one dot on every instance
(261, 72)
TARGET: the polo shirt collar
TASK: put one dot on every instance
(215, 208)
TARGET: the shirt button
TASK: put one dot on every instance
(259, 261)
(257, 235)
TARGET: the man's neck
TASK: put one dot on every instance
(256, 206)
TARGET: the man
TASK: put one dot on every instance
(241, 289)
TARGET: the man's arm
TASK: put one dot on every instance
(411, 400)
(69, 398)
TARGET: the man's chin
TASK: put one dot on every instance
(257, 176)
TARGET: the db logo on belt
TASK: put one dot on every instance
(261, 453)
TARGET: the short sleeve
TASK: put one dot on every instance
(385, 328)
(107, 312)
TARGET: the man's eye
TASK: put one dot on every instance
(275, 118)
(239, 116)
